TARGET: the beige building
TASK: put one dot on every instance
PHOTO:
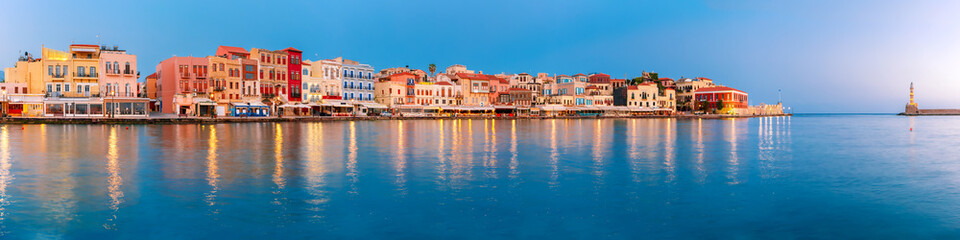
(273, 73)
(686, 87)
(226, 84)
(457, 68)
(667, 99)
(390, 93)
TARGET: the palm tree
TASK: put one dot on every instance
(433, 69)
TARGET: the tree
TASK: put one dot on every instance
(433, 69)
(703, 106)
(719, 106)
(636, 81)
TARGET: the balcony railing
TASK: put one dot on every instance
(85, 75)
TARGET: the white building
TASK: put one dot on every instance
(357, 81)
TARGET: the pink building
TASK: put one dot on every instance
(118, 73)
(181, 81)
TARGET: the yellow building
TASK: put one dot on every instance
(58, 73)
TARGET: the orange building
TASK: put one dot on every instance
(720, 98)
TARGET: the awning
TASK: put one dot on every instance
(373, 105)
(249, 104)
(204, 101)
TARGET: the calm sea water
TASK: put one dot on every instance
(815, 176)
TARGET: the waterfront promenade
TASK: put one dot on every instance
(173, 119)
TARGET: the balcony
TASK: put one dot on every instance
(85, 75)
(113, 72)
(58, 76)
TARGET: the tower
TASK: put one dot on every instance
(911, 95)
(911, 108)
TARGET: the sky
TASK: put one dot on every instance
(826, 56)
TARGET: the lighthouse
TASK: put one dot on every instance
(911, 108)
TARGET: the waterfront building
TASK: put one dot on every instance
(273, 75)
(667, 99)
(251, 80)
(226, 84)
(27, 70)
(601, 82)
(720, 99)
(527, 81)
(293, 75)
(331, 78)
(519, 97)
(392, 90)
(182, 86)
(357, 81)
(498, 87)
(118, 73)
(685, 89)
(63, 74)
(312, 89)
(151, 82)
(424, 93)
(447, 93)
(248, 71)
(476, 88)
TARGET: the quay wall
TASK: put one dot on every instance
(196, 120)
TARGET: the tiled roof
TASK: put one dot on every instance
(474, 76)
(402, 74)
(291, 49)
(718, 89)
(235, 49)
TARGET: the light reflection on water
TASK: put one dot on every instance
(775, 177)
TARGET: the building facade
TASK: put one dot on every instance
(357, 81)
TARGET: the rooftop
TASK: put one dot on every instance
(718, 89)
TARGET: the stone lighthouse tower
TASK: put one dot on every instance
(911, 108)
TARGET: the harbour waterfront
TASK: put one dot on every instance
(806, 176)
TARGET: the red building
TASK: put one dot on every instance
(599, 78)
(294, 80)
(730, 97)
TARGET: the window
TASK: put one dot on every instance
(93, 72)
(58, 70)
(50, 70)
(116, 67)
(66, 88)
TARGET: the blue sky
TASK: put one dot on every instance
(827, 56)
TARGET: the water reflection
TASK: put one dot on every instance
(316, 170)
(733, 163)
(554, 154)
(114, 180)
(401, 159)
(5, 177)
(668, 150)
(773, 141)
(278, 177)
(213, 171)
(514, 163)
(352, 171)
